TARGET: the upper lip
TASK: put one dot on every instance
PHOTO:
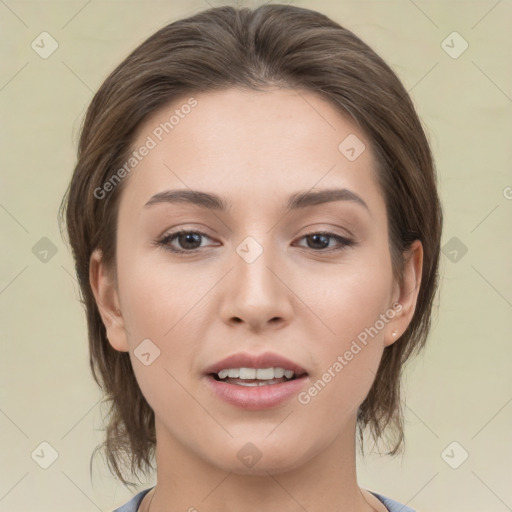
(265, 360)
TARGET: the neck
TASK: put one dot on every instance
(325, 483)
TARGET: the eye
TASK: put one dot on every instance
(187, 239)
(190, 241)
(321, 241)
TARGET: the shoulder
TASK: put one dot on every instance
(133, 504)
(391, 505)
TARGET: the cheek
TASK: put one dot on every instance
(349, 298)
(354, 308)
(157, 298)
(159, 307)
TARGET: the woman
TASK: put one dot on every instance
(256, 226)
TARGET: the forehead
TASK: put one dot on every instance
(252, 146)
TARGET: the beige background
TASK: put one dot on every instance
(459, 390)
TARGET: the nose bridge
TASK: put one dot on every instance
(257, 291)
(253, 261)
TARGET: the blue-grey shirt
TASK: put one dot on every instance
(391, 505)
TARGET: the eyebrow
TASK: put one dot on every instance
(296, 201)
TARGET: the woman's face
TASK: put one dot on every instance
(253, 278)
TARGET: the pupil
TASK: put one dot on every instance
(317, 237)
(187, 237)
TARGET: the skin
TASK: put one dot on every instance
(296, 299)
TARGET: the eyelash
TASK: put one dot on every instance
(165, 241)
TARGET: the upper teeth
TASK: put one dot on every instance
(256, 373)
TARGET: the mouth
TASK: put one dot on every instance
(254, 369)
(252, 377)
(255, 381)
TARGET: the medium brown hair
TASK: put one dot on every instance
(222, 47)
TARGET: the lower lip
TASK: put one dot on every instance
(256, 397)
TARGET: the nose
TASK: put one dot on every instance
(257, 291)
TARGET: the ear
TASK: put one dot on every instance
(406, 295)
(105, 292)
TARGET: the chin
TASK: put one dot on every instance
(259, 458)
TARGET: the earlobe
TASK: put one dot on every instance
(407, 292)
(107, 301)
